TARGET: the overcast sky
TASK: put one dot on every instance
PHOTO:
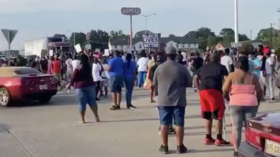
(39, 18)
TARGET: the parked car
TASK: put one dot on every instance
(25, 83)
(262, 137)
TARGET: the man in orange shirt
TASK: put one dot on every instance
(56, 70)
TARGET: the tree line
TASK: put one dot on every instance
(205, 36)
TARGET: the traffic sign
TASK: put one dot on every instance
(88, 36)
(130, 11)
(88, 46)
(9, 34)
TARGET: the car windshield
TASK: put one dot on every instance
(26, 71)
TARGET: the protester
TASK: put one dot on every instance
(269, 72)
(69, 68)
(227, 61)
(196, 63)
(56, 69)
(171, 79)
(84, 88)
(151, 62)
(253, 60)
(96, 74)
(142, 64)
(115, 69)
(75, 62)
(243, 103)
(209, 78)
(50, 65)
(129, 71)
(105, 78)
(44, 65)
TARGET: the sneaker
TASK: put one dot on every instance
(171, 131)
(209, 141)
(163, 149)
(235, 154)
(181, 149)
(221, 142)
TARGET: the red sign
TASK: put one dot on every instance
(130, 11)
(88, 36)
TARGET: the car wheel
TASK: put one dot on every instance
(5, 97)
(45, 99)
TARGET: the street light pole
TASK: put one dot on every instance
(236, 37)
(278, 10)
(146, 21)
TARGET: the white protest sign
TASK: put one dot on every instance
(97, 50)
(106, 52)
(50, 52)
(151, 40)
(78, 48)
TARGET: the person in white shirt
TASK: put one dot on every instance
(75, 63)
(142, 64)
(227, 61)
(269, 74)
(69, 68)
(96, 74)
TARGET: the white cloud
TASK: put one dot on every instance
(19, 6)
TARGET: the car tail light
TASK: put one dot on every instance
(253, 138)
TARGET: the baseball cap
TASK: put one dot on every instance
(266, 50)
(171, 50)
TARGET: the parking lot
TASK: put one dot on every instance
(54, 130)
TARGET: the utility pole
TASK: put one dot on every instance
(271, 34)
(251, 34)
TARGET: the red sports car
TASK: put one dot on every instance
(262, 137)
(25, 83)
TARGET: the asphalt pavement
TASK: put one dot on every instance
(53, 130)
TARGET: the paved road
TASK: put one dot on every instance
(53, 130)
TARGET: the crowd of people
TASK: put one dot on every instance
(241, 78)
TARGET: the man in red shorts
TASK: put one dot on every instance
(209, 79)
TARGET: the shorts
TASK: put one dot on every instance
(212, 104)
(169, 113)
(86, 96)
(116, 83)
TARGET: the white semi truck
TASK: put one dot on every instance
(45, 46)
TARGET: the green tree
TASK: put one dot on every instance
(117, 34)
(78, 38)
(99, 36)
(203, 35)
(172, 35)
(192, 34)
(62, 35)
(140, 33)
(269, 35)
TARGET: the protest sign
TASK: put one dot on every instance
(151, 40)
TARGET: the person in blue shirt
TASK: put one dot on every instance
(129, 71)
(115, 69)
(255, 64)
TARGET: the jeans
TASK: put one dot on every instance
(269, 85)
(129, 84)
(141, 78)
(239, 116)
(86, 96)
